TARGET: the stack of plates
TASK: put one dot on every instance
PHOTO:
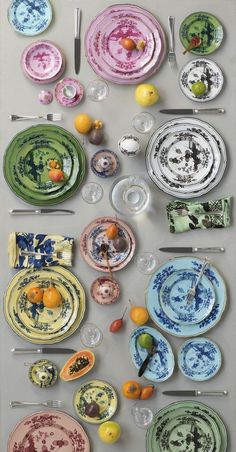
(42, 62)
(166, 297)
(187, 426)
(30, 18)
(107, 56)
(186, 157)
(33, 321)
(26, 164)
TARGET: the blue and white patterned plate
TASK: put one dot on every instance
(161, 365)
(30, 17)
(199, 359)
(173, 296)
(153, 297)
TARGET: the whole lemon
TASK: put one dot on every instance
(146, 94)
(83, 123)
(109, 432)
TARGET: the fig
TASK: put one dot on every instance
(92, 409)
(120, 244)
(96, 136)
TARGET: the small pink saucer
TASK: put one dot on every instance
(105, 290)
(64, 92)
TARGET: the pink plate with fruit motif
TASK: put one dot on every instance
(47, 431)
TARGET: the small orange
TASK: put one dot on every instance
(53, 164)
(131, 389)
(83, 123)
(147, 392)
(112, 231)
(35, 294)
(139, 314)
(51, 297)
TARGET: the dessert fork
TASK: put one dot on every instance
(192, 291)
(48, 403)
(48, 117)
(171, 53)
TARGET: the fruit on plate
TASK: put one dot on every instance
(51, 297)
(141, 45)
(198, 88)
(56, 174)
(112, 231)
(146, 95)
(53, 164)
(128, 44)
(145, 340)
(147, 392)
(109, 432)
(83, 123)
(120, 244)
(131, 389)
(92, 409)
(138, 314)
(35, 295)
(77, 365)
(117, 324)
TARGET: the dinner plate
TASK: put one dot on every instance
(161, 365)
(26, 164)
(203, 70)
(48, 430)
(153, 297)
(199, 359)
(30, 18)
(94, 235)
(207, 27)
(95, 391)
(173, 297)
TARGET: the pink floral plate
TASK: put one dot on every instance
(94, 235)
(60, 96)
(42, 62)
(48, 431)
(105, 290)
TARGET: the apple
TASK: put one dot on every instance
(146, 95)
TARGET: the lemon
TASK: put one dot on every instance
(83, 123)
(109, 432)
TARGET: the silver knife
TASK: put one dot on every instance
(194, 111)
(195, 393)
(77, 39)
(41, 212)
(18, 351)
(186, 249)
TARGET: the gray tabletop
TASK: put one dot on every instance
(19, 95)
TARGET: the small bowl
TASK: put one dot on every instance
(43, 373)
(105, 290)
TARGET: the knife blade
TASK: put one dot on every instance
(77, 43)
(185, 249)
(195, 393)
(145, 363)
(190, 111)
(18, 351)
(41, 212)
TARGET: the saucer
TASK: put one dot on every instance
(105, 163)
(105, 290)
(43, 373)
(60, 96)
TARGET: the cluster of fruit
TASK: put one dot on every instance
(50, 297)
(133, 390)
(119, 243)
(85, 125)
(130, 44)
(55, 173)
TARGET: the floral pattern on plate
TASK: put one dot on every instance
(105, 163)
(30, 18)
(105, 290)
(43, 373)
(60, 96)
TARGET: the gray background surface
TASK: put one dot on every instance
(19, 95)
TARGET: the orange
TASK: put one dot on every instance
(51, 297)
(139, 314)
(112, 232)
(35, 294)
(131, 389)
(83, 123)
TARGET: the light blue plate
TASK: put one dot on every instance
(30, 17)
(162, 364)
(153, 297)
(173, 297)
(199, 359)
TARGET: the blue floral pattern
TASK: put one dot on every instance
(30, 17)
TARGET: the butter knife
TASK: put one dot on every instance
(186, 249)
(41, 212)
(190, 111)
(77, 48)
(195, 393)
(18, 351)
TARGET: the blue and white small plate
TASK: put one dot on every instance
(199, 359)
(161, 365)
(173, 296)
(105, 163)
(30, 17)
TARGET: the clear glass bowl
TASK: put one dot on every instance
(92, 192)
(142, 416)
(147, 262)
(97, 90)
(130, 195)
(91, 336)
(144, 122)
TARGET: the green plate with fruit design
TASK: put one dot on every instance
(100, 393)
(27, 163)
(207, 27)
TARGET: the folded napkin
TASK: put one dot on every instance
(23, 242)
(183, 216)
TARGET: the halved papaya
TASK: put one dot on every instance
(78, 365)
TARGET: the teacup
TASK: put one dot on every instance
(69, 92)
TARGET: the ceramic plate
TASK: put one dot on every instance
(162, 364)
(105, 290)
(43, 373)
(205, 71)
(153, 297)
(207, 27)
(173, 297)
(95, 391)
(48, 430)
(30, 18)
(60, 96)
(94, 235)
(197, 410)
(199, 359)
(26, 164)
(105, 163)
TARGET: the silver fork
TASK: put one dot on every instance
(192, 291)
(48, 403)
(171, 53)
(48, 117)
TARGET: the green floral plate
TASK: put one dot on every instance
(26, 164)
(95, 391)
(207, 27)
(43, 373)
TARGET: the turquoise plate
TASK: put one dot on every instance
(30, 17)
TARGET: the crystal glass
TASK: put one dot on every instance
(90, 335)
(130, 195)
(142, 416)
(144, 122)
(97, 90)
(92, 192)
(147, 262)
